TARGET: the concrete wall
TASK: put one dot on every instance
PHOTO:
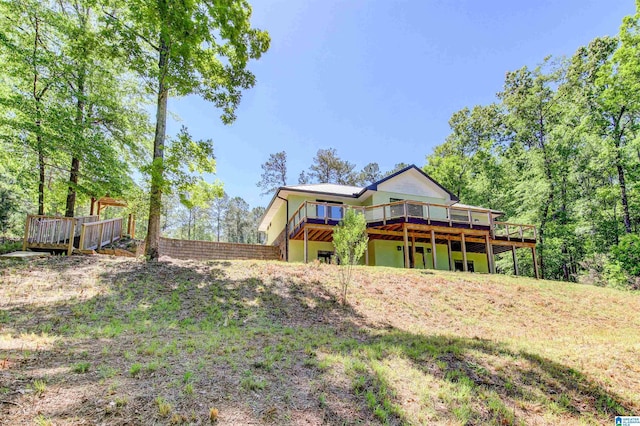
(205, 250)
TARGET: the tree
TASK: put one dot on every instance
(237, 221)
(533, 123)
(26, 30)
(274, 173)
(218, 211)
(194, 47)
(350, 241)
(197, 201)
(8, 206)
(303, 178)
(255, 236)
(397, 168)
(370, 174)
(109, 123)
(327, 167)
(606, 73)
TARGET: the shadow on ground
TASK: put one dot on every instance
(168, 341)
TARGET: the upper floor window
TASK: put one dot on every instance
(332, 212)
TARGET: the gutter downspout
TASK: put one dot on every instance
(286, 230)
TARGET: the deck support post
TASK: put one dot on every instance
(515, 259)
(463, 245)
(413, 250)
(434, 256)
(489, 254)
(366, 255)
(449, 254)
(306, 245)
(535, 262)
(406, 245)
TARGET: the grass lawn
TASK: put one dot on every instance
(102, 340)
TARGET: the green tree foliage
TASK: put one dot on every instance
(218, 209)
(198, 204)
(396, 168)
(66, 106)
(327, 167)
(182, 48)
(8, 206)
(627, 253)
(350, 241)
(274, 173)
(559, 149)
(370, 174)
(237, 221)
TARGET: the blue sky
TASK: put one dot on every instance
(378, 80)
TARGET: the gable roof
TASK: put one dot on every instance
(374, 186)
(337, 190)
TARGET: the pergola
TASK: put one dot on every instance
(97, 206)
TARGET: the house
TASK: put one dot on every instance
(412, 222)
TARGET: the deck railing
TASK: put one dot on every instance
(514, 231)
(56, 232)
(97, 234)
(431, 213)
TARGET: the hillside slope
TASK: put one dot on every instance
(99, 340)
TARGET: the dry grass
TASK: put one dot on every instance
(117, 341)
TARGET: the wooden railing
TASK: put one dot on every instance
(54, 232)
(428, 212)
(441, 214)
(514, 231)
(327, 212)
(97, 234)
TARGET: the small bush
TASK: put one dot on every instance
(81, 367)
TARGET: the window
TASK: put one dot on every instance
(459, 266)
(398, 209)
(334, 212)
(413, 210)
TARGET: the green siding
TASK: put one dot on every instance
(277, 224)
(386, 253)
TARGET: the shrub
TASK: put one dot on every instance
(350, 241)
(627, 253)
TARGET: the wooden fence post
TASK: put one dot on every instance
(71, 237)
(100, 230)
(82, 236)
(26, 232)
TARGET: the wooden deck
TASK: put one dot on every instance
(69, 233)
(462, 229)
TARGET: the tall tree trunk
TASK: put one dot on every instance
(71, 191)
(218, 226)
(41, 179)
(623, 193)
(75, 162)
(550, 196)
(37, 97)
(189, 226)
(157, 169)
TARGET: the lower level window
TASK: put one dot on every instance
(459, 266)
